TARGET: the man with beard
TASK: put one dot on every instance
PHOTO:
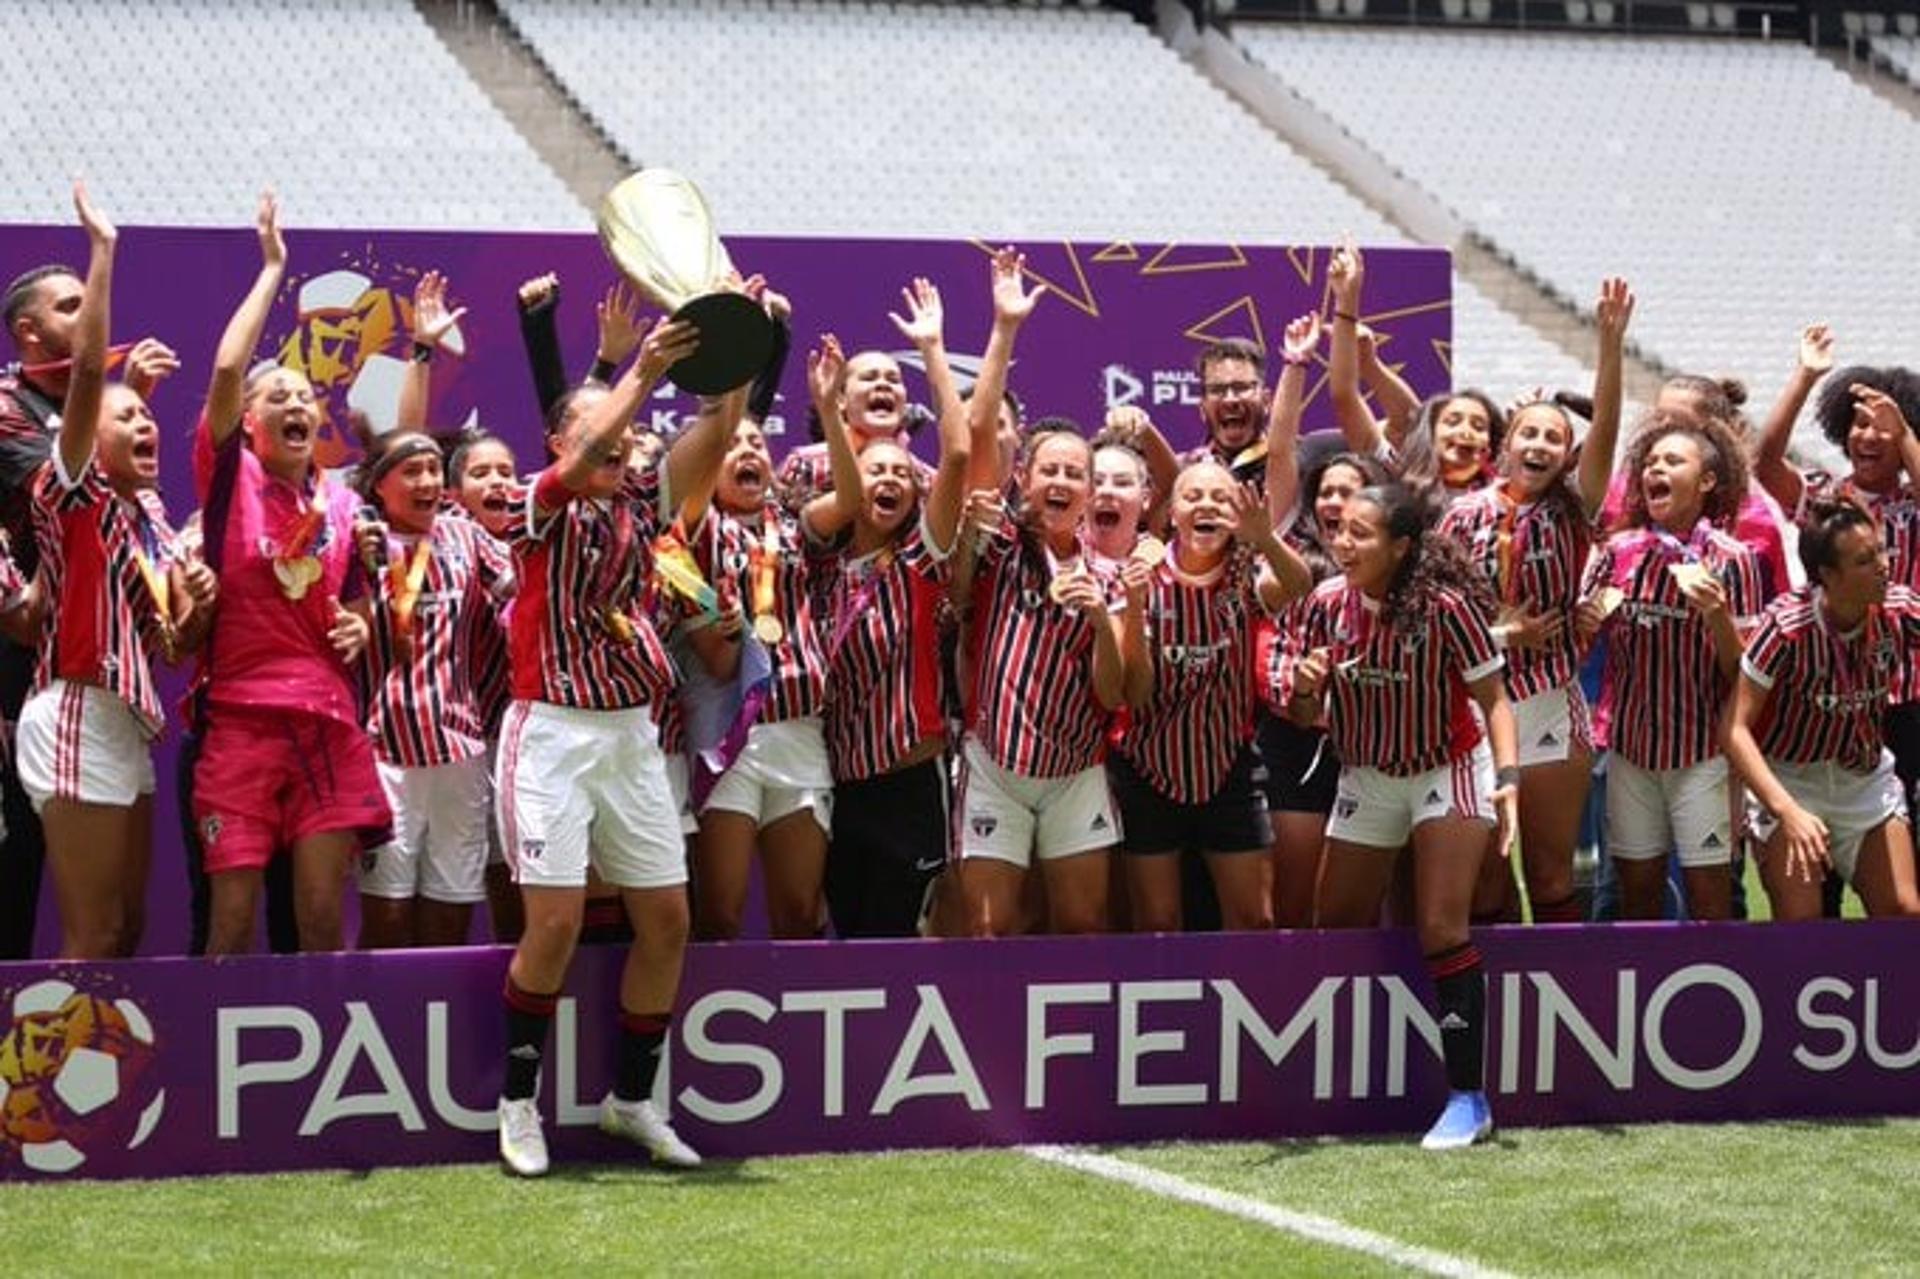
(41, 308)
(1233, 404)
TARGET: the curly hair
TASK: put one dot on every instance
(1419, 462)
(1833, 410)
(1432, 564)
(1720, 452)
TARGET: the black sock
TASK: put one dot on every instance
(642, 1036)
(1461, 988)
(528, 1016)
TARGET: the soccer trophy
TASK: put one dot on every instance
(656, 228)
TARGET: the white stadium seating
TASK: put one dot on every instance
(800, 117)
(178, 110)
(1746, 188)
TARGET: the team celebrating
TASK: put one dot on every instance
(1054, 682)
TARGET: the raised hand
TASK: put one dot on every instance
(537, 292)
(1816, 348)
(1614, 311)
(926, 319)
(985, 510)
(266, 223)
(1012, 303)
(1345, 274)
(1129, 424)
(667, 343)
(618, 315)
(1252, 522)
(432, 321)
(1302, 338)
(826, 371)
(99, 229)
(148, 363)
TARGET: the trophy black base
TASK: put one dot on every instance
(736, 337)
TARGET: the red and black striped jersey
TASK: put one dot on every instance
(1395, 697)
(1533, 554)
(1200, 713)
(1662, 693)
(730, 549)
(577, 635)
(103, 568)
(1829, 687)
(1031, 661)
(1898, 515)
(426, 710)
(885, 681)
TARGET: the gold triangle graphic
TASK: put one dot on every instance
(1119, 251)
(1157, 264)
(1302, 267)
(1443, 350)
(1202, 330)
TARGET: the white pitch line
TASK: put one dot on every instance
(1304, 1224)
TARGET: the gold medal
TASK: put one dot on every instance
(295, 574)
(1057, 588)
(618, 625)
(1607, 599)
(1149, 550)
(769, 629)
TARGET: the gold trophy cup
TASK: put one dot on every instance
(656, 227)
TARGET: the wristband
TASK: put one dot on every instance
(603, 371)
(1505, 777)
(422, 353)
(1295, 361)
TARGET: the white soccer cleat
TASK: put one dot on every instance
(522, 1144)
(1466, 1120)
(639, 1123)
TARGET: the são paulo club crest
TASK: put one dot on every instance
(76, 1076)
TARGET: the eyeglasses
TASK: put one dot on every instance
(1230, 390)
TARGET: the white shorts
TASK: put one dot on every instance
(440, 827)
(1380, 810)
(1853, 805)
(1552, 726)
(1684, 809)
(682, 794)
(80, 742)
(1016, 819)
(574, 786)
(783, 769)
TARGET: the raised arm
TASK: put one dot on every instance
(1130, 425)
(1285, 576)
(608, 421)
(539, 302)
(925, 328)
(1012, 304)
(1345, 274)
(1612, 313)
(693, 463)
(828, 513)
(1297, 346)
(431, 324)
(1397, 400)
(242, 336)
(80, 414)
(1776, 474)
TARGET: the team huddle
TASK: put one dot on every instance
(1050, 683)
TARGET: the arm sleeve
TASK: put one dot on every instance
(766, 384)
(540, 331)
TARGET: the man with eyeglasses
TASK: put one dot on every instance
(1233, 403)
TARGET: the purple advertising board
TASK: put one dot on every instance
(169, 1067)
(1121, 324)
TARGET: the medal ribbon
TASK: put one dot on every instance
(763, 567)
(152, 571)
(404, 582)
(854, 603)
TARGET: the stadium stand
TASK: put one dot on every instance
(1095, 130)
(1747, 188)
(177, 108)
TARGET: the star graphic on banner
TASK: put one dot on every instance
(1080, 297)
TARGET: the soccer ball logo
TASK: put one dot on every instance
(72, 1069)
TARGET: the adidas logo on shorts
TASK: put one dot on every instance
(1100, 822)
(1711, 841)
(1433, 797)
(1548, 739)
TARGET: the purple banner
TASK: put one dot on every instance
(1121, 325)
(166, 1067)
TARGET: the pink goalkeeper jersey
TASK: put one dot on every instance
(268, 650)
